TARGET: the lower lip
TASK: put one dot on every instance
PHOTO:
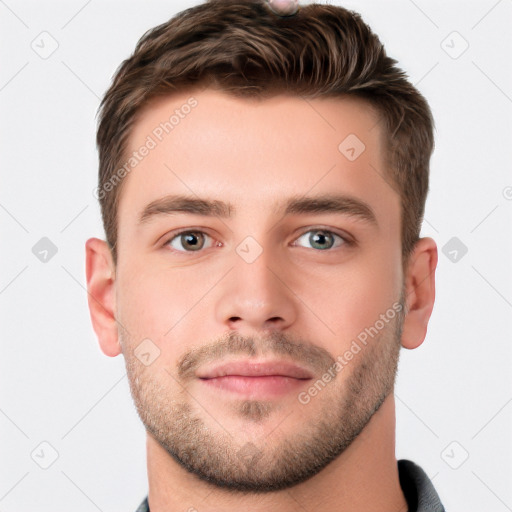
(270, 385)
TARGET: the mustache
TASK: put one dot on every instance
(315, 358)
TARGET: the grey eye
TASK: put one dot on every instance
(321, 239)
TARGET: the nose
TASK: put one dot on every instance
(257, 295)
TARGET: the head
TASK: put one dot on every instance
(293, 154)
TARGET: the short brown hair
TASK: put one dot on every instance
(242, 48)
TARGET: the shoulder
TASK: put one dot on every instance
(418, 490)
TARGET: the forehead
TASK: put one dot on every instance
(255, 151)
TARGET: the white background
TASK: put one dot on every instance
(454, 393)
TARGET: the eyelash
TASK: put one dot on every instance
(345, 240)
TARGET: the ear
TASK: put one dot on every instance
(419, 292)
(100, 274)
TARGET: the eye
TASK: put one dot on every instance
(322, 239)
(195, 240)
(189, 241)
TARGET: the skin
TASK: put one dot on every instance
(314, 301)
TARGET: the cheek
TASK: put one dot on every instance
(352, 297)
(377, 291)
(151, 303)
(173, 307)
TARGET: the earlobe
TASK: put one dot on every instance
(100, 275)
(419, 292)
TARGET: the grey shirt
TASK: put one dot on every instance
(416, 486)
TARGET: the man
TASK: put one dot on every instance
(290, 152)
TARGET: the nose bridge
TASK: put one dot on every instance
(256, 296)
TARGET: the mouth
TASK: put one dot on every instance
(256, 378)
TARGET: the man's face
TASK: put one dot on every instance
(255, 283)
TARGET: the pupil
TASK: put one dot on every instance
(190, 237)
(319, 238)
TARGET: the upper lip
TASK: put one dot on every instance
(248, 368)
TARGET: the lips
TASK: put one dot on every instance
(248, 368)
(266, 380)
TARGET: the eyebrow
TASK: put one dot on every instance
(329, 203)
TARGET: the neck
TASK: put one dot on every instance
(364, 478)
